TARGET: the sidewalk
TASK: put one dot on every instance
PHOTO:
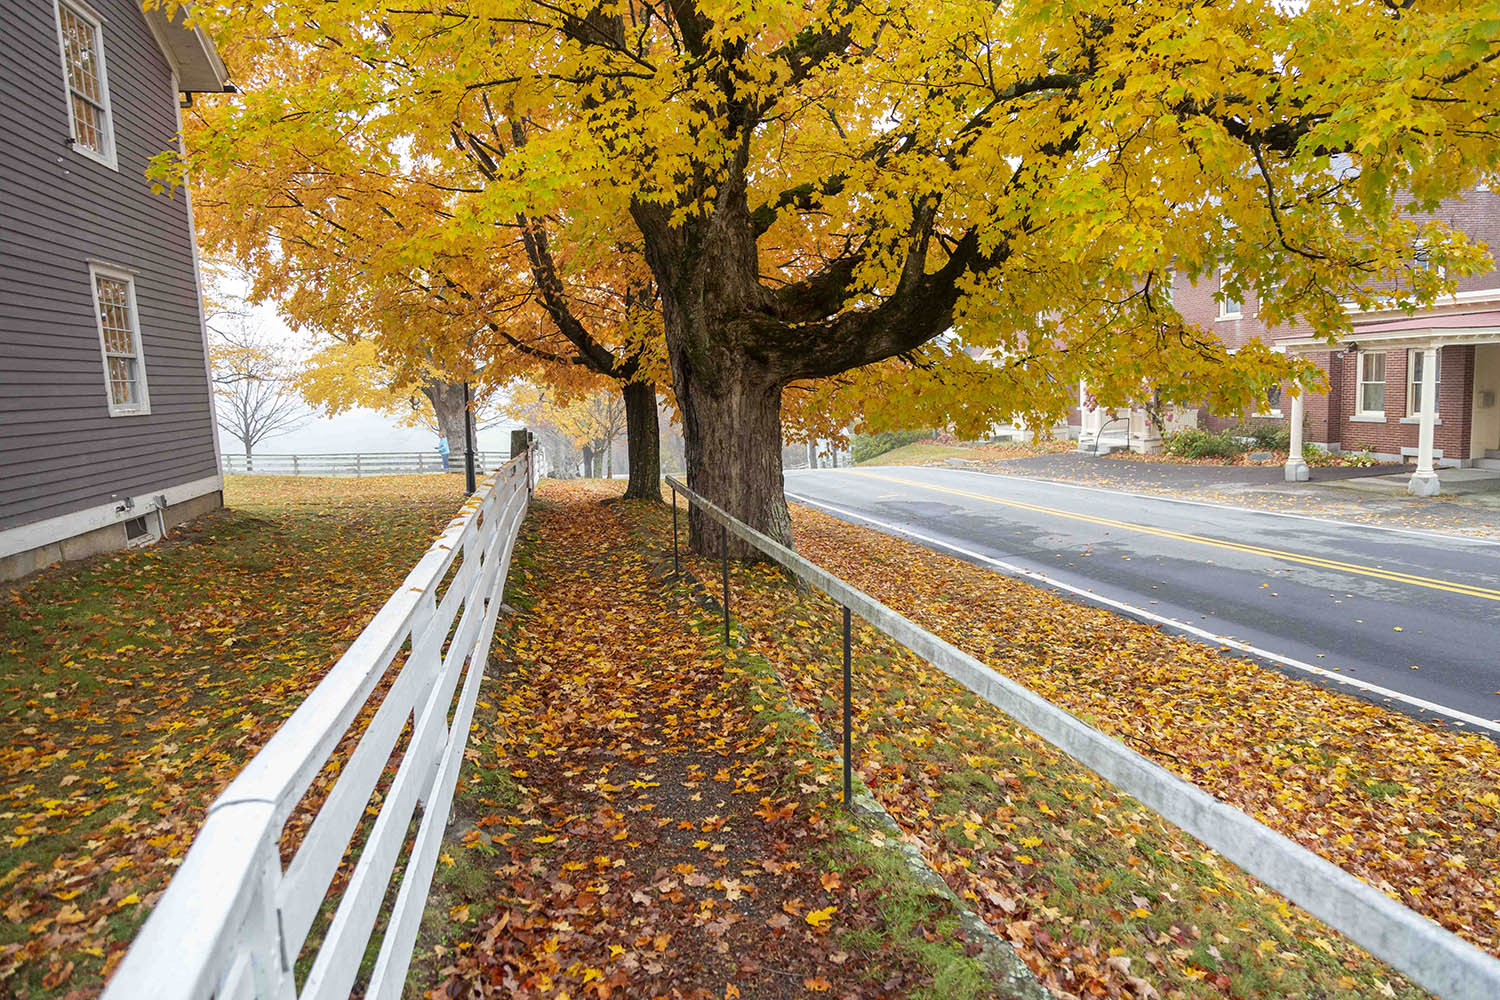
(1343, 493)
(639, 818)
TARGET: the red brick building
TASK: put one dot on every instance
(1376, 376)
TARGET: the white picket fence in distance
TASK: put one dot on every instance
(364, 463)
(233, 922)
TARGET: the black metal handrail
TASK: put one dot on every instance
(1428, 953)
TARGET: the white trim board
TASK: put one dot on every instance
(25, 537)
(1011, 569)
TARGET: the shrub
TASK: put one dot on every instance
(1267, 437)
(1194, 442)
(868, 446)
(1315, 456)
(1361, 459)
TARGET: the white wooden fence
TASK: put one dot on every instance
(365, 463)
(233, 922)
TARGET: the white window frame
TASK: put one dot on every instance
(87, 14)
(97, 271)
(1224, 311)
(1360, 382)
(1421, 260)
(1413, 387)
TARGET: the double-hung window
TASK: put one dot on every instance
(1414, 380)
(1372, 383)
(81, 36)
(120, 339)
(1229, 308)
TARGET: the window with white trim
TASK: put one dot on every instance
(120, 340)
(1372, 383)
(1421, 259)
(1271, 405)
(1414, 358)
(1229, 308)
(82, 39)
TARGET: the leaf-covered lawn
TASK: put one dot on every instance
(639, 818)
(1098, 893)
(937, 453)
(134, 685)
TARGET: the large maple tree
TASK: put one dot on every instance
(823, 185)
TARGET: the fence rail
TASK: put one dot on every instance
(233, 922)
(367, 463)
(1431, 956)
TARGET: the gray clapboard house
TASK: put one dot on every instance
(106, 411)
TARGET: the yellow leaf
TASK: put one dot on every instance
(820, 918)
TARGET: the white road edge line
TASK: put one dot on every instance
(1438, 536)
(1093, 598)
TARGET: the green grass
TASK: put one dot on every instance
(1008, 820)
(139, 682)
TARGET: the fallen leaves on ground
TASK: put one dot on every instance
(638, 816)
(1095, 890)
(134, 685)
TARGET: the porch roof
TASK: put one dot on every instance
(1427, 330)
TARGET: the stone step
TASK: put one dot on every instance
(1104, 447)
(1492, 463)
(1492, 453)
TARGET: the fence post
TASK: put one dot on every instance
(848, 719)
(296, 467)
(724, 561)
(358, 465)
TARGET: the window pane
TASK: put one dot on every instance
(1374, 367)
(114, 316)
(1372, 397)
(82, 60)
(86, 125)
(80, 55)
(122, 381)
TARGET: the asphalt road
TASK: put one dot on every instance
(1351, 604)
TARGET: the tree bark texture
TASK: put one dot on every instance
(642, 442)
(447, 399)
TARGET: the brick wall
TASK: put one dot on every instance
(1450, 437)
(1328, 415)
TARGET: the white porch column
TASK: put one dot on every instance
(1296, 466)
(1089, 420)
(1424, 482)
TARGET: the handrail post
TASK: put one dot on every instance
(724, 562)
(848, 719)
(676, 565)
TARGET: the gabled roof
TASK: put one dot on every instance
(191, 52)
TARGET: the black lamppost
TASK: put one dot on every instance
(468, 442)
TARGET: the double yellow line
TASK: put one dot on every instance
(1465, 589)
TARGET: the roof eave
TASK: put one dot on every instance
(194, 58)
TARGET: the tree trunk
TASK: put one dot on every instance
(447, 399)
(812, 454)
(609, 459)
(588, 462)
(642, 442)
(732, 433)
